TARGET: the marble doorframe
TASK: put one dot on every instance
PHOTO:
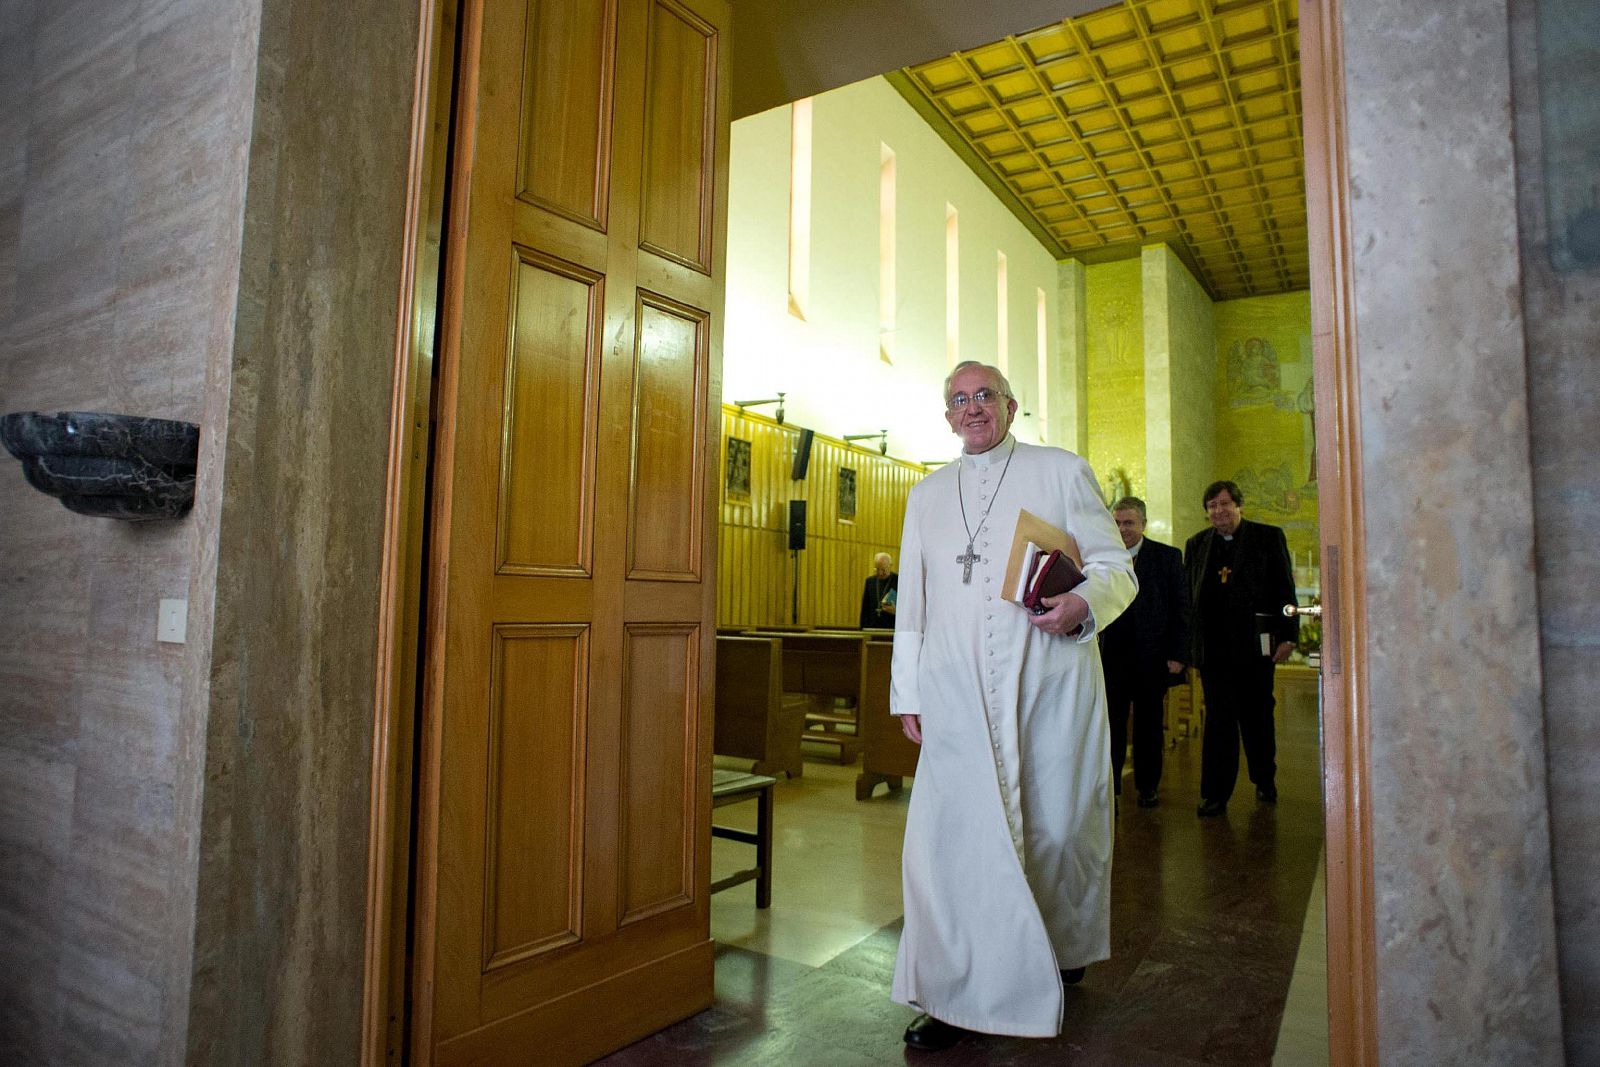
(1346, 746)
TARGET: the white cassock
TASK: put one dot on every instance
(1007, 859)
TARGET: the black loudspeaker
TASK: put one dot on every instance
(797, 523)
(802, 458)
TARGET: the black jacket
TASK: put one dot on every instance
(1265, 580)
(1155, 628)
(870, 598)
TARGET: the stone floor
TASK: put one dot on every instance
(1207, 924)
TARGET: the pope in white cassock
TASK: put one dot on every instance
(1007, 859)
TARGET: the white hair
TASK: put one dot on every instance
(1005, 386)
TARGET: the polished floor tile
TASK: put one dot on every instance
(1213, 922)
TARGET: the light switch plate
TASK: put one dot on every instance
(172, 621)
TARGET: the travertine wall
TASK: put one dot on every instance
(1466, 959)
(183, 828)
(1553, 53)
(279, 922)
(123, 130)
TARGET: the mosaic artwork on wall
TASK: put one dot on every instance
(847, 494)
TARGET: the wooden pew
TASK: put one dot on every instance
(751, 721)
(826, 666)
(887, 754)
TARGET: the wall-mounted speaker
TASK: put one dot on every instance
(797, 521)
(802, 456)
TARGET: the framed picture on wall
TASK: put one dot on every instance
(736, 483)
(847, 494)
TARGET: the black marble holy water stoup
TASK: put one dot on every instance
(109, 466)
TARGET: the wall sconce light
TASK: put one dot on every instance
(882, 437)
(778, 400)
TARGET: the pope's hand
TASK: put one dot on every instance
(912, 726)
(1067, 614)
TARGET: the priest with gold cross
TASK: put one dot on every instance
(1240, 579)
(1007, 858)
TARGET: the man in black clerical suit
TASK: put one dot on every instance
(1239, 581)
(1144, 651)
(877, 599)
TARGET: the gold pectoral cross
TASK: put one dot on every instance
(966, 560)
(1223, 574)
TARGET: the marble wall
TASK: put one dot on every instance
(201, 217)
(279, 922)
(1466, 953)
(1180, 356)
(122, 168)
(1555, 74)
(1114, 350)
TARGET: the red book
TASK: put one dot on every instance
(1052, 575)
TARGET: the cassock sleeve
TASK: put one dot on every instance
(910, 614)
(1109, 584)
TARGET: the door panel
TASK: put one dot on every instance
(552, 378)
(568, 89)
(680, 128)
(669, 416)
(563, 844)
(534, 830)
(658, 830)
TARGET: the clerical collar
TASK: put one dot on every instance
(998, 454)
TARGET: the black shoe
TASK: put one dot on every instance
(1149, 800)
(1073, 976)
(1267, 794)
(1209, 808)
(931, 1035)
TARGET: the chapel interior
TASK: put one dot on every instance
(231, 767)
(1111, 208)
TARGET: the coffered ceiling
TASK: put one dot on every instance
(1151, 120)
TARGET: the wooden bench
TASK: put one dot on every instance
(888, 756)
(736, 787)
(751, 719)
(827, 668)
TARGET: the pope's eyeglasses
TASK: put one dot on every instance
(983, 398)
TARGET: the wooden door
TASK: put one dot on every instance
(564, 830)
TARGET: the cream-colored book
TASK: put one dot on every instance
(1034, 535)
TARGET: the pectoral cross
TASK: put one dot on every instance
(967, 560)
(1223, 574)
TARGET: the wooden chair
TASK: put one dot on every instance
(736, 787)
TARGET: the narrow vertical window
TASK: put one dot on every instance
(1044, 372)
(800, 208)
(1002, 329)
(886, 291)
(952, 287)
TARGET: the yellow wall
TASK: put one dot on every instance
(1263, 403)
(1180, 369)
(1115, 351)
(754, 573)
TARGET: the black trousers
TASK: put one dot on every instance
(1130, 689)
(1239, 707)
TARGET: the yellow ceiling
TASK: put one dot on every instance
(1151, 120)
